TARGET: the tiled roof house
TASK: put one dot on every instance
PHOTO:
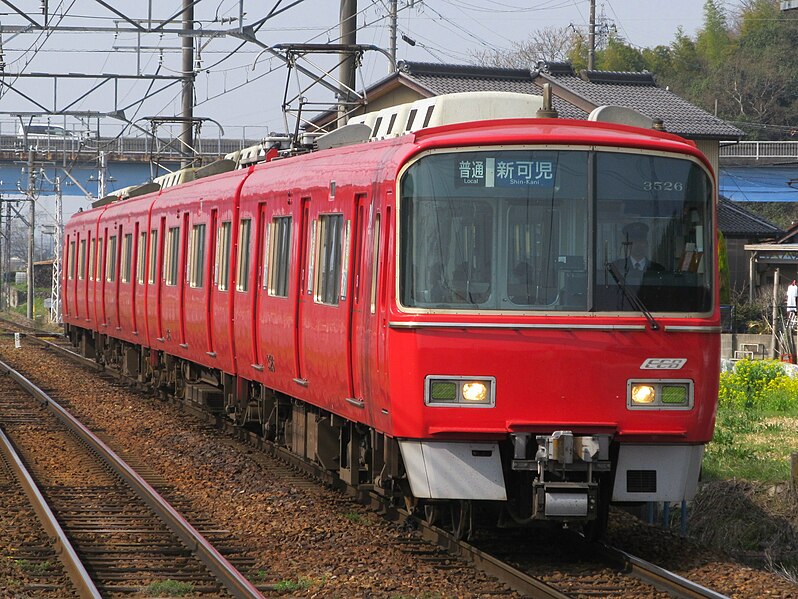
(575, 95)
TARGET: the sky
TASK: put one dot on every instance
(241, 94)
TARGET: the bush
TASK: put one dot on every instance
(758, 385)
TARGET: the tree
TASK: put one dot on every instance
(620, 56)
(551, 44)
(713, 40)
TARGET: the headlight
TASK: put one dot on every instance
(643, 394)
(473, 392)
(660, 394)
(459, 391)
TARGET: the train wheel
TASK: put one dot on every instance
(461, 518)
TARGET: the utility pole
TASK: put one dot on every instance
(393, 24)
(55, 291)
(31, 237)
(187, 135)
(346, 71)
(3, 251)
(591, 38)
(101, 176)
(7, 269)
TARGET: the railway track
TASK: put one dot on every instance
(615, 574)
(114, 533)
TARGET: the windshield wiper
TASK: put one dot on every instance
(631, 295)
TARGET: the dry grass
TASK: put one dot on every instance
(755, 522)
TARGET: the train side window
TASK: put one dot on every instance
(375, 264)
(242, 256)
(279, 248)
(71, 260)
(328, 258)
(110, 263)
(153, 255)
(222, 270)
(170, 263)
(141, 264)
(127, 257)
(99, 274)
(196, 265)
(92, 252)
(82, 260)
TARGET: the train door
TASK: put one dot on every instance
(209, 314)
(106, 288)
(258, 290)
(99, 279)
(159, 278)
(357, 315)
(303, 253)
(195, 291)
(221, 303)
(181, 282)
(88, 283)
(116, 256)
(325, 313)
(134, 279)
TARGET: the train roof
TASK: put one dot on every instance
(393, 135)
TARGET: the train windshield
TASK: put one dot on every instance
(545, 230)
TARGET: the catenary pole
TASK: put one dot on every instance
(346, 71)
(591, 38)
(31, 231)
(392, 50)
(187, 134)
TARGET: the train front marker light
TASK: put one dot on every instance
(643, 394)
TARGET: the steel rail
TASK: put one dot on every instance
(235, 582)
(518, 581)
(66, 552)
(660, 578)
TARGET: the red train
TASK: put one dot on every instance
(452, 314)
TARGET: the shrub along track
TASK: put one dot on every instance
(310, 538)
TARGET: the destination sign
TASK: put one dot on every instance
(492, 172)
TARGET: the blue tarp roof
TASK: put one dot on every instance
(759, 183)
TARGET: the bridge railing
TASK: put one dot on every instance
(138, 148)
(758, 150)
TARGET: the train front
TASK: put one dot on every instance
(555, 340)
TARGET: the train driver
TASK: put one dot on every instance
(635, 263)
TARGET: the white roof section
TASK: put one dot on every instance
(448, 109)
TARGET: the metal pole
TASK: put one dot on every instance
(393, 36)
(7, 282)
(774, 350)
(32, 229)
(591, 37)
(187, 135)
(55, 292)
(3, 251)
(102, 176)
(347, 69)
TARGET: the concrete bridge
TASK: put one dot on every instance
(120, 149)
